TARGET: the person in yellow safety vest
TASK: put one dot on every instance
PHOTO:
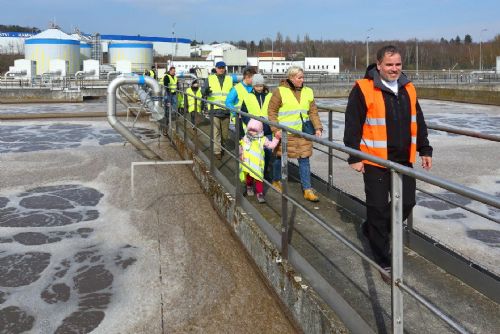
(293, 105)
(194, 105)
(237, 94)
(151, 73)
(219, 85)
(171, 84)
(252, 147)
(256, 103)
(383, 118)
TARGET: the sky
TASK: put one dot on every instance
(224, 20)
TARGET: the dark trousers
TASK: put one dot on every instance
(378, 209)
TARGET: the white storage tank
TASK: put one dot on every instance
(52, 44)
(85, 51)
(139, 54)
(85, 46)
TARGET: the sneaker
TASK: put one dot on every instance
(260, 198)
(218, 156)
(387, 280)
(310, 195)
(250, 191)
(277, 185)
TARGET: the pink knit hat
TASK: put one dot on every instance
(255, 125)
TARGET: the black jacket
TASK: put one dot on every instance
(397, 117)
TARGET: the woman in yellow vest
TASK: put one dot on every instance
(256, 103)
(194, 105)
(291, 105)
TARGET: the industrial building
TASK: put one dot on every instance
(13, 43)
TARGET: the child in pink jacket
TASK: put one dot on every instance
(252, 157)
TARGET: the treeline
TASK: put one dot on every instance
(16, 28)
(458, 53)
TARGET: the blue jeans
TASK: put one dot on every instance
(172, 99)
(304, 172)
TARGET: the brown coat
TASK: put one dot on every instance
(298, 147)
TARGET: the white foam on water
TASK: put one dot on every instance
(131, 288)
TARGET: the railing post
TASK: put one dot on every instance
(330, 150)
(397, 250)
(238, 190)
(184, 97)
(284, 189)
(195, 125)
(211, 115)
(170, 127)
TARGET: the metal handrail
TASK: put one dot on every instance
(397, 171)
(437, 127)
(117, 125)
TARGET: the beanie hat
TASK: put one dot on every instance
(258, 79)
(255, 125)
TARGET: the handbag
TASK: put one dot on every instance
(307, 126)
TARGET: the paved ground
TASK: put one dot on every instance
(79, 253)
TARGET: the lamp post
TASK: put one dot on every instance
(416, 55)
(173, 45)
(481, 49)
(367, 49)
(272, 58)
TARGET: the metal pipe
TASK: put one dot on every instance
(431, 126)
(112, 72)
(84, 73)
(284, 193)
(465, 132)
(330, 150)
(187, 75)
(151, 103)
(433, 309)
(397, 251)
(237, 188)
(21, 72)
(117, 125)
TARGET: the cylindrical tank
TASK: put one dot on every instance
(85, 47)
(52, 44)
(139, 54)
(85, 51)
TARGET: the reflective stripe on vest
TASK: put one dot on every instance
(291, 109)
(172, 83)
(242, 93)
(194, 104)
(219, 93)
(374, 137)
(253, 158)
